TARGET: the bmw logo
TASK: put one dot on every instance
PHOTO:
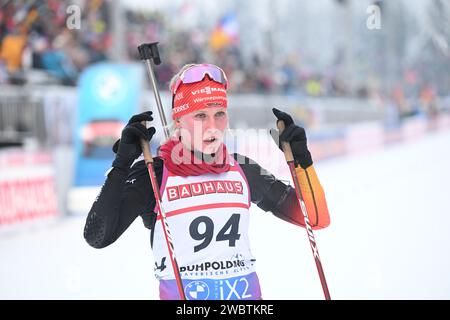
(196, 290)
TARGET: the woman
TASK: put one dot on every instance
(206, 193)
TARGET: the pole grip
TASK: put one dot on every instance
(150, 51)
(285, 145)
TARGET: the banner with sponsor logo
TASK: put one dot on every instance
(109, 94)
(27, 186)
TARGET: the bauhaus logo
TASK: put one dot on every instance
(206, 187)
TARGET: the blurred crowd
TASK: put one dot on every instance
(220, 45)
(34, 37)
(36, 45)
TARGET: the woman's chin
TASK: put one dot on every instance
(211, 148)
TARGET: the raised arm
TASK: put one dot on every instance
(126, 192)
(271, 194)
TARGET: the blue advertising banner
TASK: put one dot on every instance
(109, 94)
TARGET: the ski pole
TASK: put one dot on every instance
(312, 241)
(149, 52)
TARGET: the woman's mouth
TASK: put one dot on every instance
(210, 140)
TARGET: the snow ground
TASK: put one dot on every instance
(388, 239)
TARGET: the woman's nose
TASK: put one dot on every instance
(210, 123)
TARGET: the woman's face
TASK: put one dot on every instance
(203, 130)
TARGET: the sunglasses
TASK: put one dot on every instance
(197, 72)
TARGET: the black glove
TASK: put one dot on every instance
(296, 137)
(128, 147)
